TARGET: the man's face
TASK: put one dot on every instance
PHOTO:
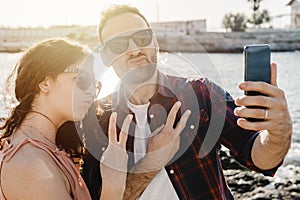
(130, 47)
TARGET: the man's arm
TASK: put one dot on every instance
(145, 170)
(272, 144)
(136, 183)
(268, 151)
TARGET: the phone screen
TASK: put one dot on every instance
(257, 68)
(257, 64)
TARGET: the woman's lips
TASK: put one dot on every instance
(88, 101)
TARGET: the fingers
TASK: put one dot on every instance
(157, 130)
(124, 131)
(172, 115)
(262, 87)
(274, 74)
(244, 112)
(255, 126)
(112, 131)
(255, 101)
(182, 122)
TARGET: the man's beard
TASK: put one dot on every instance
(139, 75)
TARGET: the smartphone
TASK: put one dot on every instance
(257, 64)
(257, 67)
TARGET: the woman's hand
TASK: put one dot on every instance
(113, 164)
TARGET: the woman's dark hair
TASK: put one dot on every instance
(48, 58)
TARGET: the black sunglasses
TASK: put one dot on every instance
(119, 45)
(83, 80)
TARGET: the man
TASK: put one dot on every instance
(149, 95)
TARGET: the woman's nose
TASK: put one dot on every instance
(91, 90)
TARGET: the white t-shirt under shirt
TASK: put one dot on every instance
(160, 187)
(142, 130)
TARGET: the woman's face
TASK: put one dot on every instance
(73, 92)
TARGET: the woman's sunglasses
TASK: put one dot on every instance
(83, 80)
(120, 45)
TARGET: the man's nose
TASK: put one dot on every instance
(133, 49)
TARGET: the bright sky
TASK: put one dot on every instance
(87, 12)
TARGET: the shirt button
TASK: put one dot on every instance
(151, 116)
(102, 159)
(103, 149)
(192, 126)
(171, 171)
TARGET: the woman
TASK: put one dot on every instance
(32, 166)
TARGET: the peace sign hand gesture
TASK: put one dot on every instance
(164, 142)
(113, 164)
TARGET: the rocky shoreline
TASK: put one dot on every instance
(250, 185)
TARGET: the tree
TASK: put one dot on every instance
(255, 3)
(259, 18)
(234, 22)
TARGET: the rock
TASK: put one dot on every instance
(250, 185)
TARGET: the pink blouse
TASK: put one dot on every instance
(79, 190)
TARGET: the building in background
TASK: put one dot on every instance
(16, 39)
(187, 27)
(295, 13)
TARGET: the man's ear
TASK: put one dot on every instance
(155, 42)
(45, 85)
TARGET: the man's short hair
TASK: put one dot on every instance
(116, 10)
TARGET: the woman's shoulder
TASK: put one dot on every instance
(31, 171)
(28, 158)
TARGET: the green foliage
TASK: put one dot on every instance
(235, 22)
(259, 18)
(255, 3)
(239, 22)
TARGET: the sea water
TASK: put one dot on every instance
(223, 68)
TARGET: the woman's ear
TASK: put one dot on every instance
(45, 85)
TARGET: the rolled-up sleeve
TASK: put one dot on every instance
(240, 141)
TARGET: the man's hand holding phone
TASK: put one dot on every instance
(268, 105)
(274, 139)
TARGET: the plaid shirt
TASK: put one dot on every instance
(196, 170)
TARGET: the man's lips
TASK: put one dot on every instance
(140, 59)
